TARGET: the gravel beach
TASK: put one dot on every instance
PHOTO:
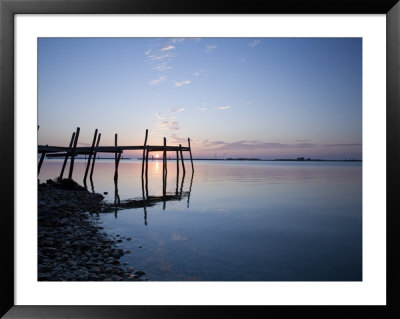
(71, 244)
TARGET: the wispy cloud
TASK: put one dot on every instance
(225, 107)
(198, 73)
(160, 55)
(176, 83)
(210, 48)
(157, 81)
(170, 47)
(164, 66)
(178, 140)
(254, 145)
(167, 125)
(176, 109)
(162, 117)
(202, 108)
(254, 43)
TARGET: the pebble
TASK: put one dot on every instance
(71, 245)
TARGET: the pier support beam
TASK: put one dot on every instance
(165, 168)
(66, 156)
(73, 154)
(190, 152)
(41, 161)
(94, 156)
(146, 174)
(165, 155)
(183, 164)
(117, 157)
(177, 162)
(144, 151)
(90, 157)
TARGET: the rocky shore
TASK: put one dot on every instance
(71, 244)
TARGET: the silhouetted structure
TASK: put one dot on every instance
(72, 151)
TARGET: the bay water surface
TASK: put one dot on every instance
(235, 220)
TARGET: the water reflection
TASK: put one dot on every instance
(190, 190)
(247, 221)
(150, 200)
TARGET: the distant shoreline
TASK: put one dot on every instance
(275, 160)
(264, 160)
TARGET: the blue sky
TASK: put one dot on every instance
(234, 97)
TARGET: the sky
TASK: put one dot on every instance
(264, 98)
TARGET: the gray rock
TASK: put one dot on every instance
(94, 270)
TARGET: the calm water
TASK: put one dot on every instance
(243, 221)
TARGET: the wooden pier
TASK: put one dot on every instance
(73, 150)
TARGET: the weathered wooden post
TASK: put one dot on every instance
(66, 156)
(146, 174)
(118, 160)
(144, 151)
(190, 152)
(165, 168)
(117, 157)
(143, 188)
(116, 144)
(165, 155)
(41, 161)
(147, 162)
(94, 155)
(117, 200)
(90, 157)
(177, 183)
(177, 162)
(183, 164)
(73, 154)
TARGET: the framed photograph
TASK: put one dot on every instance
(188, 159)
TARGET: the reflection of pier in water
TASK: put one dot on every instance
(72, 151)
(149, 200)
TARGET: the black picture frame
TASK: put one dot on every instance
(8, 8)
